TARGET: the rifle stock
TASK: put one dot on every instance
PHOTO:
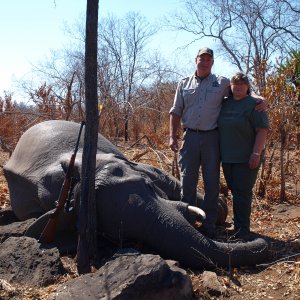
(49, 231)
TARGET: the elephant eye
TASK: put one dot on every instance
(118, 172)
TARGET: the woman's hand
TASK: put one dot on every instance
(260, 140)
(254, 160)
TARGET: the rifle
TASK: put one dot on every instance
(48, 233)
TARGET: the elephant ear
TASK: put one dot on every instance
(51, 181)
(65, 234)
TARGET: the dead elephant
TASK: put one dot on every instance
(134, 201)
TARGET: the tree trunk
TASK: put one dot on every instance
(126, 128)
(87, 243)
(266, 170)
(282, 177)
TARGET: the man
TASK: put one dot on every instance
(197, 105)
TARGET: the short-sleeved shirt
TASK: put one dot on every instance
(198, 101)
(237, 124)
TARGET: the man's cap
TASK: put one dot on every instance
(207, 51)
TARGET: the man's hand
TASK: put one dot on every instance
(261, 104)
(173, 144)
(174, 125)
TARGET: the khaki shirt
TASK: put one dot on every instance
(198, 102)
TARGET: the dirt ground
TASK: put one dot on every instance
(278, 278)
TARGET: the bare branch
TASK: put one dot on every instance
(249, 33)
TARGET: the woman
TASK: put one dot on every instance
(243, 133)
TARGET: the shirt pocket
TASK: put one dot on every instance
(213, 97)
(188, 95)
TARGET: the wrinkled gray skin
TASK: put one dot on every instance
(134, 201)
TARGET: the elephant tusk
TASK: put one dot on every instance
(198, 212)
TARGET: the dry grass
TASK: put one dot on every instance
(277, 279)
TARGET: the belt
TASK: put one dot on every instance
(199, 130)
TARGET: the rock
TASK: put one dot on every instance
(130, 277)
(211, 282)
(286, 210)
(24, 261)
(7, 291)
(7, 216)
(5, 286)
(15, 229)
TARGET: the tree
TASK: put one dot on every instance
(294, 62)
(282, 91)
(125, 65)
(87, 244)
(125, 70)
(248, 33)
(15, 118)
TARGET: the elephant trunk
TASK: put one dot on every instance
(193, 249)
(185, 244)
(167, 228)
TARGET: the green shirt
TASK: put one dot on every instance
(237, 123)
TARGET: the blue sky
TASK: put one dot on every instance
(29, 29)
